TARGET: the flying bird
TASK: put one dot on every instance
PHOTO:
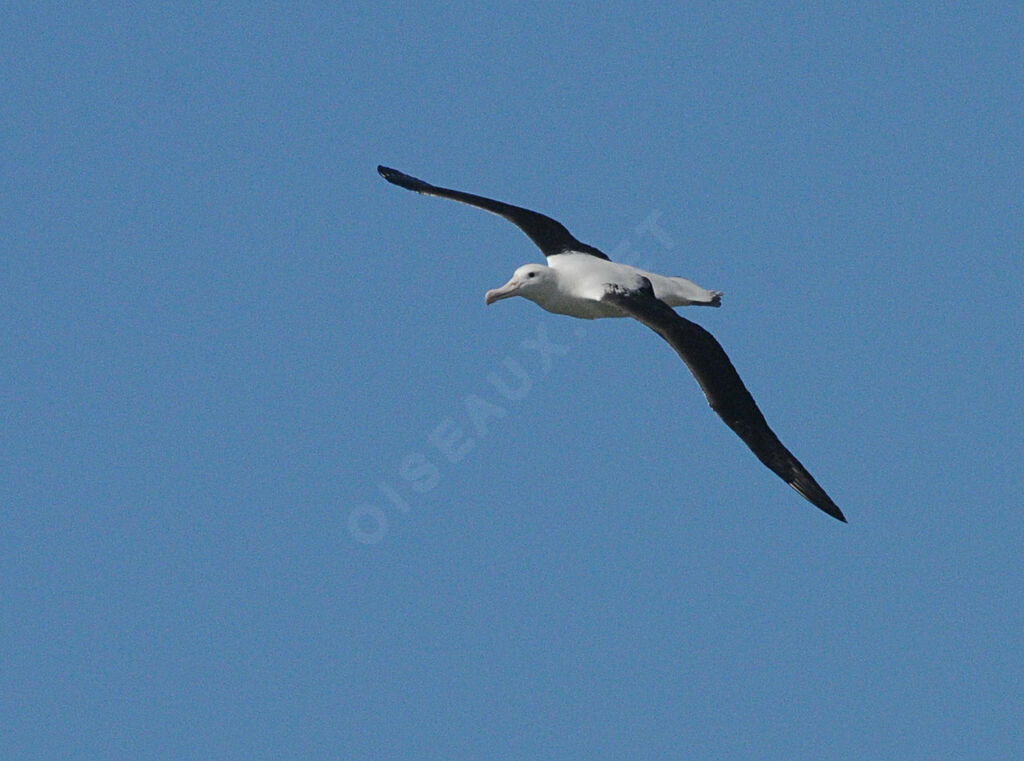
(580, 281)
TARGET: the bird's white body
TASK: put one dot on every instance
(574, 284)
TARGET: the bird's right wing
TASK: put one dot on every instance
(722, 385)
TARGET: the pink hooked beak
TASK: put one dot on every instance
(509, 289)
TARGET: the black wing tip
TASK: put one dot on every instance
(836, 513)
(401, 179)
(817, 497)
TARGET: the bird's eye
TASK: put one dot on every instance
(531, 274)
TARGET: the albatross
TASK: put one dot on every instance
(581, 281)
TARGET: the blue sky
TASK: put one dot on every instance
(277, 484)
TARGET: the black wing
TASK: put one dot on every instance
(722, 386)
(549, 236)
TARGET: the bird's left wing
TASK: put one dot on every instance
(722, 386)
(549, 235)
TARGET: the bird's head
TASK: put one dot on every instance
(531, 281)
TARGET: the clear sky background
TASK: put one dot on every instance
(230, 352)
